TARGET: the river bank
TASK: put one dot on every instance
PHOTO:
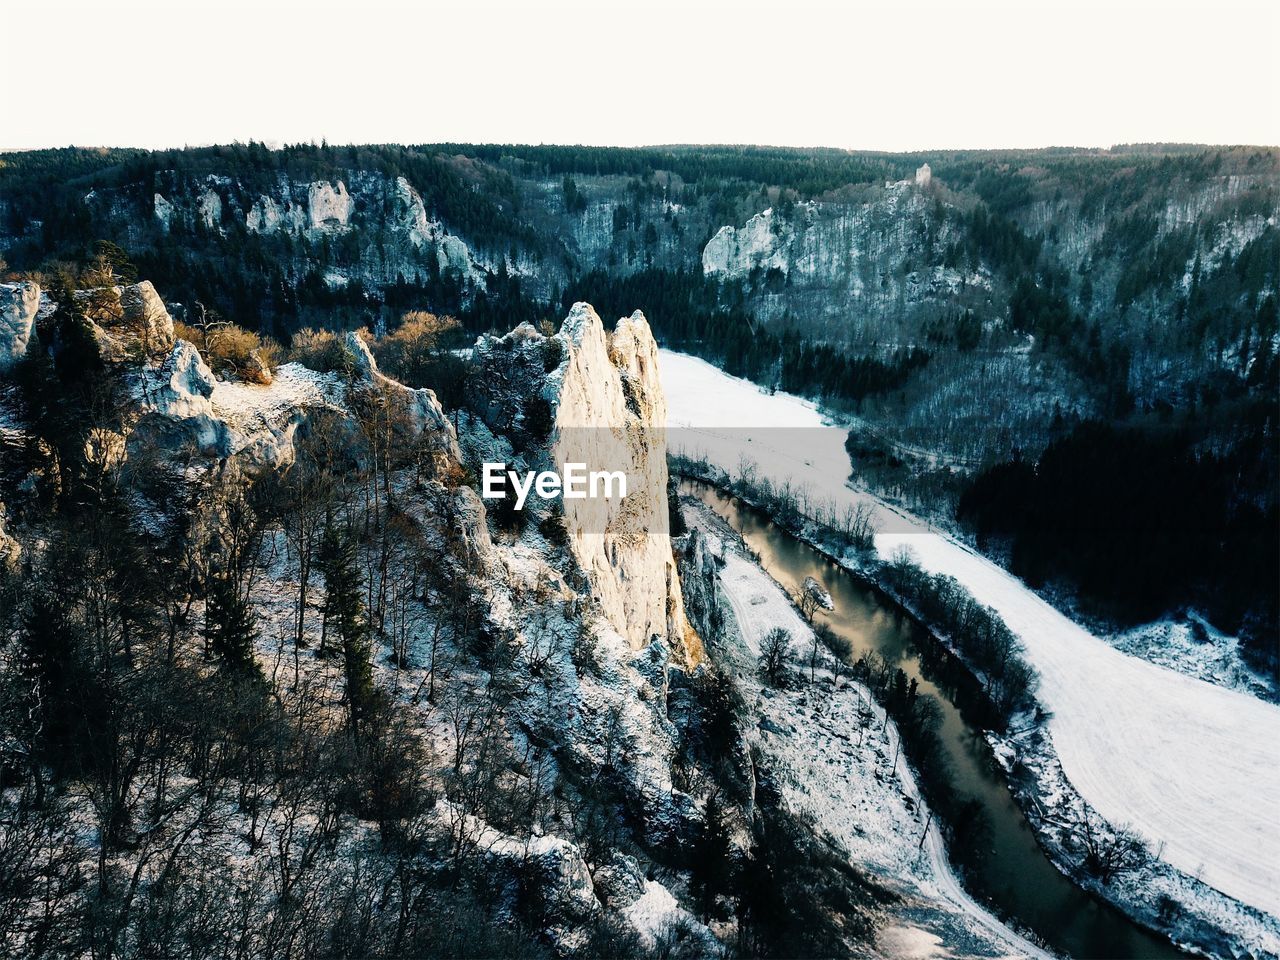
(1151, 893)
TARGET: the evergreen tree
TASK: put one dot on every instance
(712, 868)
(344, 613)
(229, 626)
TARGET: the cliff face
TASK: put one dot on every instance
(380, 217)
(879, 259)
(611, 414)
(607, 411)
(868, 261)
(562, 681)
(19, 304)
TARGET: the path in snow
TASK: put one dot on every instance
(1194, 767)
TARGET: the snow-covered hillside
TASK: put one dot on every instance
(1194, 767)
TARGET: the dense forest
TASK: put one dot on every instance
(1141, 523)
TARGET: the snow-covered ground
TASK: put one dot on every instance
(1192, 646)
(1193, 767)
(854, 785)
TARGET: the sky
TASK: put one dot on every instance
(863, 75)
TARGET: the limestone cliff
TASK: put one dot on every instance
(607, 412)
(174, 403)
(19, 304)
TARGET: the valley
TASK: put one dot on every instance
(1118, 750)
(928, 609)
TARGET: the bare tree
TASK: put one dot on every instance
(774, 650)
(1109, 852)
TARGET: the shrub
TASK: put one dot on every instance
(409, 353)
(231, 350)
(319, 350)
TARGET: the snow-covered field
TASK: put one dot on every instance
(1194, 767)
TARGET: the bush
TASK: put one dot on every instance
(410, 352)
(319, 350)
(233, 351)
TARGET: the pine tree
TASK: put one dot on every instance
(712, 873)
(229, 626)
(344, 613)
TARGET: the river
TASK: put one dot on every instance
(1013, 874)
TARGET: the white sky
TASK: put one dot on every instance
(867, 75)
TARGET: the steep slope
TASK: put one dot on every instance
(503, 692)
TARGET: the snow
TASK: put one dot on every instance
(1193, 767)
(910, 943)
(657, 911)
(1192, 646)
(856, 788)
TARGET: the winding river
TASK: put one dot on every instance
(1013, 873)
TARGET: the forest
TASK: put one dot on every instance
(1141, 523)
(1020, 296)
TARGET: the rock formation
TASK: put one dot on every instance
(761, 243)
(10, 549)
(607, 412)
(19, 304)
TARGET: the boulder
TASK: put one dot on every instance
(145, 313)
(620, 882)
(129, 323)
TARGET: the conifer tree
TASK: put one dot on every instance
(229, 626)
(344, 613)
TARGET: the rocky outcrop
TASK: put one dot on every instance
(864, 257)
(163, 211)
(10, 549)
(605, 408)
(209, 208)
(129, 323)
(19, 304)
(760, 244)
(329, 206)
(417, 415)
(268, 216)
(180, 405)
